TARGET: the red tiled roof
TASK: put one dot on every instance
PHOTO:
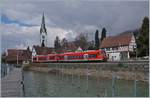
(60, 50)
(43, 50)
(49, 50)
(114, 41)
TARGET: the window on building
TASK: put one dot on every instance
(115, 48)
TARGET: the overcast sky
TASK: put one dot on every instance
(21, 19)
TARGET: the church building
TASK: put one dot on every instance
(43, 49)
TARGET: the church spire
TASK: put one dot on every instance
(43, 33)
(43, 28)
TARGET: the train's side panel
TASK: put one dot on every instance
(52, 58)
(95, 55)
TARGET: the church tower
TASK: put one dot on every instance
(43, 33)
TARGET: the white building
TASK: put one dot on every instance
(118, 47)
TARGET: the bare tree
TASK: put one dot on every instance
(64, 43)
(57, 43)
(82, 41)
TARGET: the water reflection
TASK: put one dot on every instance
(43, 84)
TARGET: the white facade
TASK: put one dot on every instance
(114, 56)
(43, 38)
(117, 55)
(33, 53)
(132, 44)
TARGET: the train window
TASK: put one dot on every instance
(81, 56)
(92, 55)
(65, 57)
(69, 57)
(75, 57)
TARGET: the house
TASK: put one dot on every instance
(79, 49)
(118, 47)
(17, 56)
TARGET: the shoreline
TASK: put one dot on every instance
(120, 72)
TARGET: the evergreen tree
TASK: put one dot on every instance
(97, 39)
(103, 35)
(143, 39)
(57, 43)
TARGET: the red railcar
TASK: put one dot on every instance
(92, 55)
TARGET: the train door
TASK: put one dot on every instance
(47, 58)
(86, 56)
(65, 58)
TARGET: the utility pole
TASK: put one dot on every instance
(136, 46)
(87, 79)
(136, 52)
(135, 80)
(17, 57)
(113, 84)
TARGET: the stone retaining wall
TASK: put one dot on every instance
(121, 71)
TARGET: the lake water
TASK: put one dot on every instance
(54, 85)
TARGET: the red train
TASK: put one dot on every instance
(91, 55)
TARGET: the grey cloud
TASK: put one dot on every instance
(80, 16)
(70, 15)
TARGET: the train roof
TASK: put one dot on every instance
(73, 52)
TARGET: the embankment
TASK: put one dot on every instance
(126, 71)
